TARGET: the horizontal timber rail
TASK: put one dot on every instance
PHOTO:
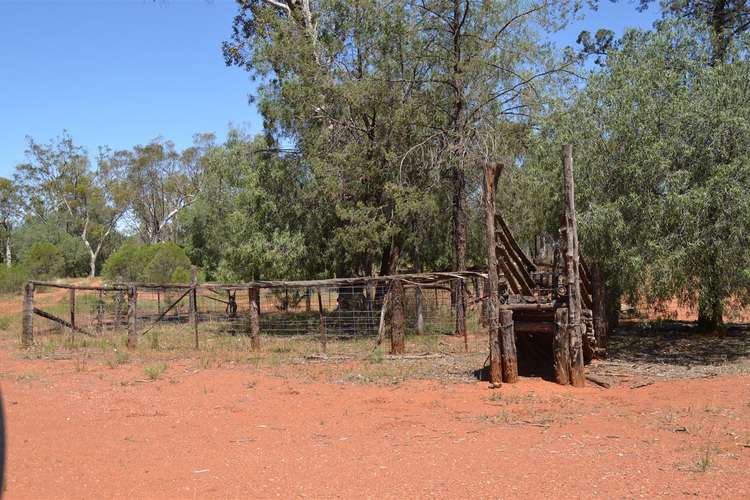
(334, 316)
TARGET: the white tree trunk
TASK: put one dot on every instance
(7, 252)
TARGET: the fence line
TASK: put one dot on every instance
(323, 315)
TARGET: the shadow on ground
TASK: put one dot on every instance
(678, 343)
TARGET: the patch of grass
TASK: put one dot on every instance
(376, 356)
(704, 461)
(4, 323)
(153, 372)
(27, 376)
(250, 384)
(120, 358)
(80, 364)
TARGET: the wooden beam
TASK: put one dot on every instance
(572, 261)
(60, 321)
(27, 329)
(561, 347)
(132, 317)
(508, 346)
(397, 318)
(492, 172)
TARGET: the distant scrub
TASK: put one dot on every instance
(44, 261)
(13, 278)
(158, 263)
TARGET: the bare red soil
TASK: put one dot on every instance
(242, 432)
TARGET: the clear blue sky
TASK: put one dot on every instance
(120, 73)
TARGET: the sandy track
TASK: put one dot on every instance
(240, 432)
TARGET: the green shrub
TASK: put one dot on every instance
(169, 265)
(128, 262)
(154, 371)
(13, 278)
(44, 261)
(157, 263)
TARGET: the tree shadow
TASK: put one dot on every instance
(678, 343)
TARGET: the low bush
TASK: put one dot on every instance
(12, 278)
(44, 261)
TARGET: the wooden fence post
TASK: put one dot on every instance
(508, 347)
(132, 317)
(322, 327)
(99, 313)
(492, 172)
(561, 347)
(27, 331)
(572, 264)
(72, 305)
(397, 318)
(253, 295)
(193, 303)
(308, 293)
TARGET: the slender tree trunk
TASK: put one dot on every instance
(418, 303)
(710, 312)
(459, 246)
(8, 256)
(601, 328)
(459, 177)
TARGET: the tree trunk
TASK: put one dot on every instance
(459, 178)
(459, 247)
(8, 255)
(92, 265)
(418, 302)
(601, 328)
(710, 313)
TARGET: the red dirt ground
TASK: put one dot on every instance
(243, 432)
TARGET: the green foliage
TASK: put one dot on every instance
(13, 278)
(157, 263)
(662, 155)
(153, 372)
(168, 265)
(44, 260)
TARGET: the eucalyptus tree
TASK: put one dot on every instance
(341, 83)
(60, 184)
(248, 221)
(663, 138)
(10, 214)
(162, 182)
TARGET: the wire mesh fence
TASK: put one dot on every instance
(344, 316)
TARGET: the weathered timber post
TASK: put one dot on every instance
(193, 303)
(561, 347)
(72, 305)
(27, 330)
(308, 294)
(322, 326)
(99, 313)
(132, 317)
(419, 306)
(508, 347)
(397, 317)
(572, 262)
(599, 310)
(253, 295)
(158, 301)
(118, 307)
(418, 295)
(492, 172)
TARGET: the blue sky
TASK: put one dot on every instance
(120, 73)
